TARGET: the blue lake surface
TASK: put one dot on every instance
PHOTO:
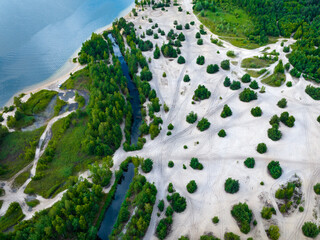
(39, 36)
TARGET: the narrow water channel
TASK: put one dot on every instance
(134, 93)
(112, 212)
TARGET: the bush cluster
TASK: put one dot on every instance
(200, 60)
(222, 133)
(254, 85)
(212, 68)
(310, 229)
(201, 93)
(256, 112)
(274, 133)
(191, 117)
(227, 82)
(186, 78)
(203, 124)
(231, 186)
(146, 165)
(235, 85)
(243, 215)
(274, 169)
(246, 78)
(247, 95)
(192, 186)
(225, 64)
(226, 112)
(262, 148)
(282, 103)
(249, 162)
(195, 164)
(287, 120)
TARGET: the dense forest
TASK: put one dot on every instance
(297, 18)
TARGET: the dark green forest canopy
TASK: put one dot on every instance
(297, 18)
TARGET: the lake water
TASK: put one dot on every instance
(38, 37)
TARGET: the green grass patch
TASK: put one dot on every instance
(231, 26)
(80, 80)
(21, 179)
(17, 150)
(33, 203)
(275, 79)
(256, 74)
(62, 159)
(13, 215)
(59, 104)
(2, 192)
(38, 102)
(256, 62)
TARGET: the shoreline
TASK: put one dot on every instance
(63, 73)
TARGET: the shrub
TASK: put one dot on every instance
(246, 78)
(161, 205)
(222, 133)
(273, 232)
(187, 26)
(274, 133)
(286, 49)
(287, 66)
(249, 162)
(198, 35)
(195, 164)
(200, 60)
(227, 82)
(243, 216)
(230, 53)
(286, 119)
(178, 202)
(231, 186)
(191, 117)
(212, 68)
(301, 209)
(181, 37)
(146, 165)
(254, 85)
(289, 84)
(192, 186)
(313, 92)
(181, 60)
(200, 41)
(235, 85)
(164, 74)
(225, 64)
(256, 112)
(156, 53)
(215, 220)
(179, 27)
(247, 95)
(316, 188)
(261, 148)
(267, 212)
(274, 120)
(170, 164)
(170, 126)
(231, 236)
(203, 124)
(170, 188)
(186, 78)
(201, 93)
(226, 112)
(310, 229)
(282, 103)
(274, 169)
(168, 51)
